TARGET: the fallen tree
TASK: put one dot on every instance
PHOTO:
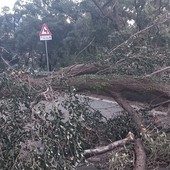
(120, 89)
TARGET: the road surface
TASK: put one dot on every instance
(107, 108)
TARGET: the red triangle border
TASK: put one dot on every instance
(44, 26)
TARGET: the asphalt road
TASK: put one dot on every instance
(107, 108)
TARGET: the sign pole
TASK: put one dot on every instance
(46, 50)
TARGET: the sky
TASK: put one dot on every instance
(9, 3)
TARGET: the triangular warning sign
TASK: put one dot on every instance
(45, 31)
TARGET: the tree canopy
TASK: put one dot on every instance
(87, 31)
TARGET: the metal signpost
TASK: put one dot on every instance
(45, 35)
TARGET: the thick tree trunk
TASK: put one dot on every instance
(137, 89)
(140, 155)
(82, 69)
(127, 87)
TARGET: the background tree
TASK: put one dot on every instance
(87, 30)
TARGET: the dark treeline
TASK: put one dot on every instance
(95, 45)
(85, 31)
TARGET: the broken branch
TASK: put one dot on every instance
(100, 150)
(158, 71)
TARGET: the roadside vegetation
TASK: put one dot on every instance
(117, 49)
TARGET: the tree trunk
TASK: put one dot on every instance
(140, 155)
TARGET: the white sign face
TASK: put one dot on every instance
(44, 38)
(45, 33)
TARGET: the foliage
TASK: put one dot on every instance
(121, 160)
(39, 138)
(82, 34)
(157, 151)
(157, 146)
(120, 126)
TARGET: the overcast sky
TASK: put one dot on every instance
(9, 3)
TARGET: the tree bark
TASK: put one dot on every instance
(124, 86)
(127, 107)
(101, 150)
(82, 69)
(140, 163)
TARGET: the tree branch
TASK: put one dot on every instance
(165, 17)
(98, 5)
(85, 48)
(100, 150)
(107, 12)
(158, 71)
(127, 107)
(6, 62)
